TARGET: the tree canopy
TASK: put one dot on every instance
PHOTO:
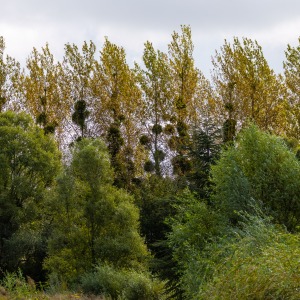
(29, 163)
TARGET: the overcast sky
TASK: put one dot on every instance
(25, 24)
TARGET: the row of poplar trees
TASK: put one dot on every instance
(146, 114)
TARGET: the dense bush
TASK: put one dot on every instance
(258, 166)
(15, 285)
(196, 230)
(122, 283)
(263, 263)
(253, 260)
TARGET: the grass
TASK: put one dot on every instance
(15, 287)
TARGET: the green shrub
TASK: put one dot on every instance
(194, 239)
(17, 286)
(258, 166)
(255, 259)
(263, 263)
(120, 283)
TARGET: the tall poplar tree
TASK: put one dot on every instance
(248, 88)
(184, 87)
(41, 90)
(78, 67)
(155, 81)
(292, 79)
(117, 101)
(10, 74)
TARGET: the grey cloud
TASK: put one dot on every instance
(157, 14)
(131, 22)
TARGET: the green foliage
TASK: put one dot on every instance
(182, 128)
(231, 188)
(27, 248)
(291, 69)
(157, 129)
(223, 254)
(159, 155)
(93, 221)
(29, 162)
(248, 87)
(260, 167)
(121, 159)
(9, 75)
(172, 143)
(155, 200)
(144, 140)
(204, 151)
(169, 129)
(80, 115)
(149, 166)
(42, 118)
(121, 283)
(252, 260)
(229, 130)
(262, 262)
(50, 128)
(17, 286)
(181, 162)
(181, 165)
(154, 81)
(115, 140)
(179, 104)
(194, 227)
